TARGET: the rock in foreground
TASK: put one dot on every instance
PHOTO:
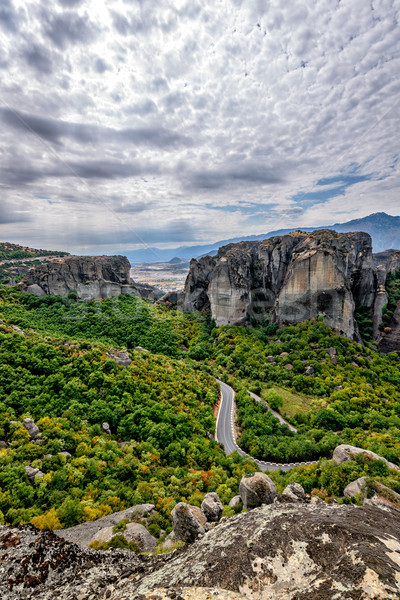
(275, 552)
(283, 552)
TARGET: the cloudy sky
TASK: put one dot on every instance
(133, 122)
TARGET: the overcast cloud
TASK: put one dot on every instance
(138, 122)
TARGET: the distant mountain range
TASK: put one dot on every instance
(383, 228)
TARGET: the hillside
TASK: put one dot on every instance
(10, 251)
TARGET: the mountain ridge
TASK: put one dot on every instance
(384, 230)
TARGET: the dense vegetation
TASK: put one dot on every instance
(160, 407)
(351, 394)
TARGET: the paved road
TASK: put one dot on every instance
(225, 431)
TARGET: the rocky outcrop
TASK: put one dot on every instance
(390, 341)
(90, 277)
(256, 490)
(294, 492)
(212, 507)
(31, 428)
(84, 533)
(188, 522)
(291, 278)
(121, 357)
(280, 552)
(133, 532)
(33, 475)
(345, 452)
(294, 552)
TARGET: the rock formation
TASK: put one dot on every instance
(291, 278)
(345, 452)
(133, 532)
(281, 551)
(188, 522)
(212, 507)
(90, 276)
(256, 490)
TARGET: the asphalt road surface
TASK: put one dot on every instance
(225, 430)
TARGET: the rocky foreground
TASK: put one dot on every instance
(280, 551)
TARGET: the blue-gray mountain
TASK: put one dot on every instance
(384, 230)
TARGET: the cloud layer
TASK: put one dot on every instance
(132, 122)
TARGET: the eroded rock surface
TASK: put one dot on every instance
(292, 277)
(188, 522)
(256, 490)
(90, 276)
(134, 532)
(212, 507)
(84, 533)
(307, 552)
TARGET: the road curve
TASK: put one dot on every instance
(225, 430)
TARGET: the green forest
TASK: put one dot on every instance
(160, 407)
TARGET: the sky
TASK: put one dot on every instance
(132, 123)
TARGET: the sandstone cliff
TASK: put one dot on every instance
(91, 276)
(289, 278)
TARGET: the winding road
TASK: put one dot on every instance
(225, 430)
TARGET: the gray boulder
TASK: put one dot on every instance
(106, 428)
(344, 452)
(188, 522)
(33, 475)
(236, 501)
(256, 490)
(121, 357)
(134, 532)
(294, 492)
(212, 507)
(309, 370)
(31, 428)
(359, 486)
(36, 290)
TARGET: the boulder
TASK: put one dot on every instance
(188, 522)
(309, 370)
(31, 428)
(345, 452)
(134, 532)
(333, 354)
(212, 507)
(36, 290)
(294, 492)
(106, 428)
(236, 501)
(3, 445)
(34, 475)
(359, 486)
(256, 490)
(121, 357)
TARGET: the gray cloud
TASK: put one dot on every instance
(38, 57)
(8, 16)
(100, 65)
(242, 173)
(132, 207)
(55, 131)
(9, 214)
(69, 28)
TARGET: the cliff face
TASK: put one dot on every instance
(291, 278)
(91, 276)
